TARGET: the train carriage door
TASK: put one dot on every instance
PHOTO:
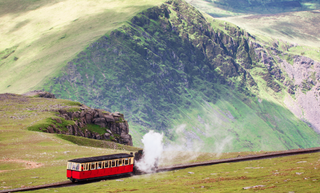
(86, 167)
(113, 165)
(93, 167)
(99, 169)
(106, 166)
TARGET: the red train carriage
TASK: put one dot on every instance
(99, 167)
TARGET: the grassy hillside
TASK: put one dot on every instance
(39, 37)
(286, 174)
(29, 113)
(35, 158)
(31, 158)
(169, 66)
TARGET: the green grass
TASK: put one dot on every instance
(232, 124)
(19, 145)
(51, 152)
(43, 46)
(82, 141)
(11, 166)
(287, 174)
(43, 148)
(94, 128)
(310, 52)
(49, 121)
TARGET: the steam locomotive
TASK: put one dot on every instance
(92, 168)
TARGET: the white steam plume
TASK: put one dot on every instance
(152, 151)
(187, 147)
(184, 149)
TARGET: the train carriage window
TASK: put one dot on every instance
(126, 161)
(73, 166)
(69, 166)
(120, 162)
(106, 164)
(99, 165)
(77, 167)
(93, 166)
(113, 163)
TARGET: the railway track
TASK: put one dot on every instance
(53, 185)
(239, 159)
(183, 166)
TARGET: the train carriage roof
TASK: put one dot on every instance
(101, 158)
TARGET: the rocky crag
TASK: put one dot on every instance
(115, 126)
(77, 121)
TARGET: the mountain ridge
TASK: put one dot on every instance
(167, 60)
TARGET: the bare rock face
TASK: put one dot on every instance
(301, 77)
(116, 127)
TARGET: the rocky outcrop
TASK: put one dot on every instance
(116, 127)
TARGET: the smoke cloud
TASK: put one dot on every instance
(187, 147)
(152, 151)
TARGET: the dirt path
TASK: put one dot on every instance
(28, 164)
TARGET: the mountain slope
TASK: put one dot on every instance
(167, 67)
(38, 38)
